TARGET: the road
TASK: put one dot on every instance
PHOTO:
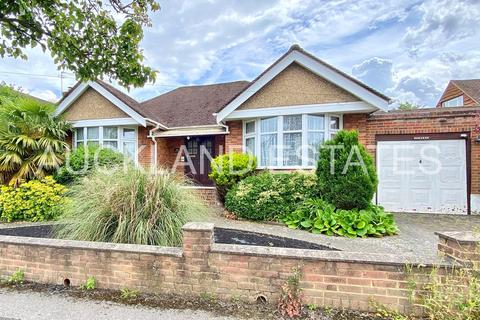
(16, 305)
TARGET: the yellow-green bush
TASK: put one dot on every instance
(35, 200)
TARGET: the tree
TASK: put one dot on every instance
(81, 35)
(346, 172)
(32, 139)
(408, 106)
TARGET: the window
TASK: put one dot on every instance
(292, 140)
(315, 136)
(268, 141)
(250, 137)
(289, 141)
(118, 138)
(455, 102)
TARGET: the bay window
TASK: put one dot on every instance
(122, 139)
(289, 141)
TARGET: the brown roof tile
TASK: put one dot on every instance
(470, 87)
(192, 105)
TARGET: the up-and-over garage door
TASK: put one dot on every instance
(423, 175)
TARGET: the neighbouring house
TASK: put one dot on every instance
(459, 93)
(428, 160)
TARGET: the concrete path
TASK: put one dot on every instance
(16, 305)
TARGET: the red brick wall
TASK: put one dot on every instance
(329, 278)
(145, 147)
(440, 120)
(234, 140)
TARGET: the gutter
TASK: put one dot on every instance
(227, 131)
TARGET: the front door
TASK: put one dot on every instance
(200, 149)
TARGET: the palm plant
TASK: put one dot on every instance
(32, 139)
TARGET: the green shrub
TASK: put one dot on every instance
(35, 200)
(268, 196)
(318, 216)
(229, 169)
(129, 205)
(82, 161)
(17, 277)
(353, 180)
(128, 294)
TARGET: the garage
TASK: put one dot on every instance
(424, 174)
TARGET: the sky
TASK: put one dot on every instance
(408, 50)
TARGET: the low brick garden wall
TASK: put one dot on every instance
(329, 278)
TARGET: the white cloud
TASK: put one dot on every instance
(47, 95)
(406, 49)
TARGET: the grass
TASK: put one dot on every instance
(129, 205)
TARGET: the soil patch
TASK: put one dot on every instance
(233, 236)
(42, 231)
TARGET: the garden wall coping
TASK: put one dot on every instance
(329, 256)
(462, 237)
(90, 245)
(198, 226)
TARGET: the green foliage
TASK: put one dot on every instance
(83, 36)
(268, 196)
(229, 169)
(129, 205)
(318, 216)
(31, 138)
(90, 284)
(290, 302)
(17, 277)
(35, 200)
(408, 106)
(128, 294)
(82, 161)
(348, 180)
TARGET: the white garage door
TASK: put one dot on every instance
(422, 176)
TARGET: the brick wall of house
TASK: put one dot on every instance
(440, 120)
(145, 147)
(329, 278)
(234, 140)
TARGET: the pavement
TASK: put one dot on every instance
(28, 305)
(416, 239)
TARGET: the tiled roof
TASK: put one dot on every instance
(470, 87)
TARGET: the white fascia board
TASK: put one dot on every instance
(346, 107)
(104, 122)
(312, 65)
(106, 94)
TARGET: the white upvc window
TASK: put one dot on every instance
(122, 139)
(454, 102)
(289, 141)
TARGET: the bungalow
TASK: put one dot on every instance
(428, 160)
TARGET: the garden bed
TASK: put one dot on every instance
(233, 236)
(221, 235)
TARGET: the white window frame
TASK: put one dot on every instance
(100, 139)
(250, 135)
(450, 103)
(327, 135)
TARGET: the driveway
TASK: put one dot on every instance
(415, 242)
(16, 305)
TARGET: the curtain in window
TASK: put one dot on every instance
(292, 149)
(268, 147)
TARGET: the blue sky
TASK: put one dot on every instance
(406, 49)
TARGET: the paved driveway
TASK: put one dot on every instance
(416, 241)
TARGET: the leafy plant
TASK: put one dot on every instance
(229, 169)
(90, 38)
(128, 294)
(129, 205)
(290, 302)
(268, 196)
(90, 284)
(318, 216)
(17, 277)
(82, 161)
(35, 200)
(31, 138)
(347, 179)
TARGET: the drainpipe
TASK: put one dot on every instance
(155, 150)
(227, 131)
